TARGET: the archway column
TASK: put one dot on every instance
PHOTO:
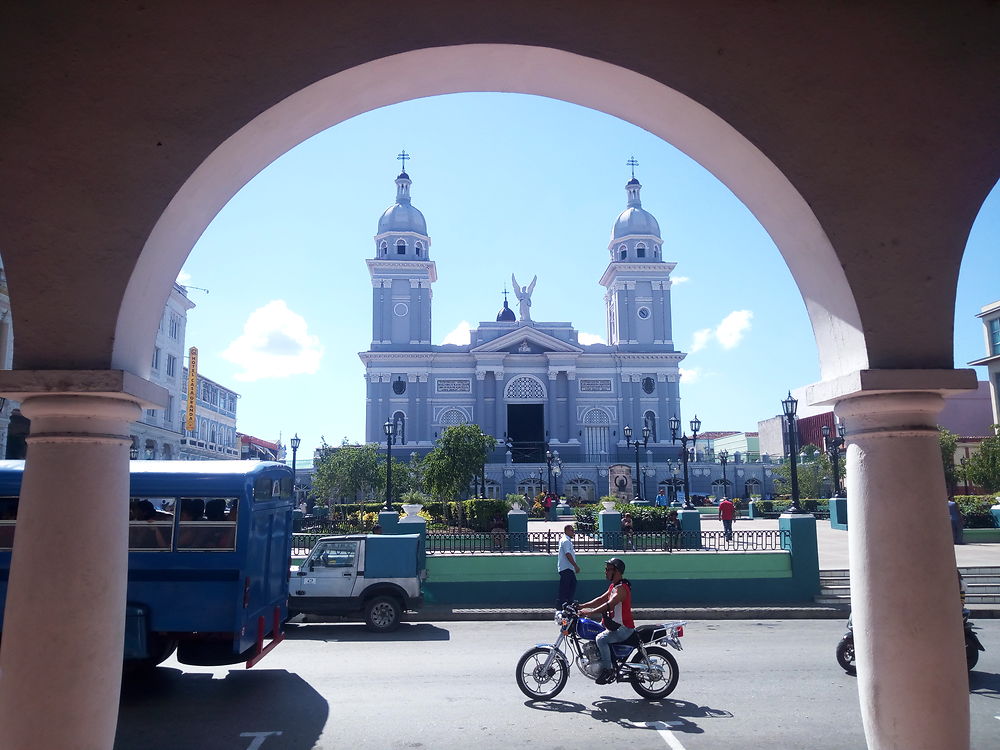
(912, 678)
(61, 657)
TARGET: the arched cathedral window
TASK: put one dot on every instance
(451, 417)
(524, 388)
(401, 247)
(640, 250)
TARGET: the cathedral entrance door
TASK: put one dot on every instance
(526, 430)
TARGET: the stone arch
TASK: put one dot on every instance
(664, 111)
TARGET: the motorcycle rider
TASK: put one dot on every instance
(615, 606)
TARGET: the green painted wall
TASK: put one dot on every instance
(659, 579)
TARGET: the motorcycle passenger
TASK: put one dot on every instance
(615, 605)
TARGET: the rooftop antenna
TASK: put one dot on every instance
(200, 289)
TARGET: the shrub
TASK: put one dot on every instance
(976, 510)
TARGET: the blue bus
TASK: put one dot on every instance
(209, 552)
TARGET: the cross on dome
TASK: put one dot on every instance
(403, 156)
(632, 163)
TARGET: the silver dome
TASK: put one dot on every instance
(634, 219)
(402, 216)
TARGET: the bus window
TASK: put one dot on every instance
(272, 489)
(8, 518)
(148, 528)
(207, 524)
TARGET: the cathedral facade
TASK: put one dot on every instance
(530, 384)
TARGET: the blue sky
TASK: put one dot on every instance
(508, 184)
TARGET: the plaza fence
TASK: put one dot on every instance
(547, 542)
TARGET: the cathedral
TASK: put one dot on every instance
(529, 383)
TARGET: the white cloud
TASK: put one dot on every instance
(701, 339)
(183, 278)
(275, 343)
(460, 335)
(590, 338)
(689, 375)
(730, 331)
(680, 279)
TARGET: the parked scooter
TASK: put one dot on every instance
(845, 649)
(641, 660)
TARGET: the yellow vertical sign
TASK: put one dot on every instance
(190, 422)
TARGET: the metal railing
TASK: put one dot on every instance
(547, 542)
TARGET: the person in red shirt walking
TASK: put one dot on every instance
(727, 512)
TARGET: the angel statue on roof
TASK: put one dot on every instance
(523, 294)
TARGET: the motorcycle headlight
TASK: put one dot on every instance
(559, 619)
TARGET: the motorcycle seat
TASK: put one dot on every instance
(647, 633)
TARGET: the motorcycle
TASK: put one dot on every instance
(845, 649)
(641, 660)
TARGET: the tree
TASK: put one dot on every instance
(815, 467)
(949, 444)
(458, 456)
(348, 471)
(983, 466)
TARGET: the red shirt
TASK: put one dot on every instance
(727, 510)
(623, 610)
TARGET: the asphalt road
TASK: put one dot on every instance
(451, 685)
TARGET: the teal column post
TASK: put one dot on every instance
(389, 521)
(690, 529)
(517, 530)
(838, 513)
(801, 542)
(411, 523)
(995, 510)
(609, 525)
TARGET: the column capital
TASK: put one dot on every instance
(122, 385)
(868, 382)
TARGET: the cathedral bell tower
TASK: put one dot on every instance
(402, 273)
(637, 280)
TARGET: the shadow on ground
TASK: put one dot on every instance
(336, 632)
(675, 715)
(169, 709)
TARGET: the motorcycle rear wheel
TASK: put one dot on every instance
(845, 655)
(536, 681)
(655, 689)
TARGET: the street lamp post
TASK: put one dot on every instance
(789, 406)
(675, 425)
(629, 443)
(724, 459)
(674, 469)
(390, 439)
(834, 447)
(295, 443)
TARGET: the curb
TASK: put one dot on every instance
(777, 612)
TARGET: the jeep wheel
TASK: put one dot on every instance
(382, 614)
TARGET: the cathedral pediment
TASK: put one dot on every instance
(526, 340)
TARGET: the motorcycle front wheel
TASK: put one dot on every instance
(654, 687)
(537, 681)
(845, 655)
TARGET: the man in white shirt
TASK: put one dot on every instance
(567, 568)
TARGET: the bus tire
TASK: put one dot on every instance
(160, 649)
(382, 614)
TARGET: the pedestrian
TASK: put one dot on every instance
(567, 568)
(660, 501)
(628, 529)
(727, 512)
(957, 522)
(673, 529)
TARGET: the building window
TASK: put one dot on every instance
(420, 247)
(995, 336)
(150, 413)
(175, 326)
(156, 358)
(385, 249)
(168, 415)
(451, 417)
(624, 253)
(171, 365)
(401, 248)
(640, 250)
